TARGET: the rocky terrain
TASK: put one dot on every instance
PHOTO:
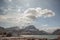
(29, 30)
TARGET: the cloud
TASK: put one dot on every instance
(27, 17)
(34, 13)
(49, 29)
(48, 13)
(45, 25)
(9, 0)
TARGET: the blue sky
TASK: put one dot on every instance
(13, 7)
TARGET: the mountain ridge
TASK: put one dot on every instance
(29, 30)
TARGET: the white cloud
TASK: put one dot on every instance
(27, 5)
(27, 17)
(45, 25)
(9, 0)
(19, 10)
(38, 12)
(48, 13)
(49, 29)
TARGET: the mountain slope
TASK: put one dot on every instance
(56, 32)
(31, 30)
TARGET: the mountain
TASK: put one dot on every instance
(28, 30)
(2, 29)
(31, 30)
(56, 32)
(2, 32)
(13, 30)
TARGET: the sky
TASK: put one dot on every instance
(44, 14)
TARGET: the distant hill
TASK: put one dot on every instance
(29, 30)
(13, 30)
(56, 32)
(2, 29)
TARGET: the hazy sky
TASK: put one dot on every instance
(44, 14)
